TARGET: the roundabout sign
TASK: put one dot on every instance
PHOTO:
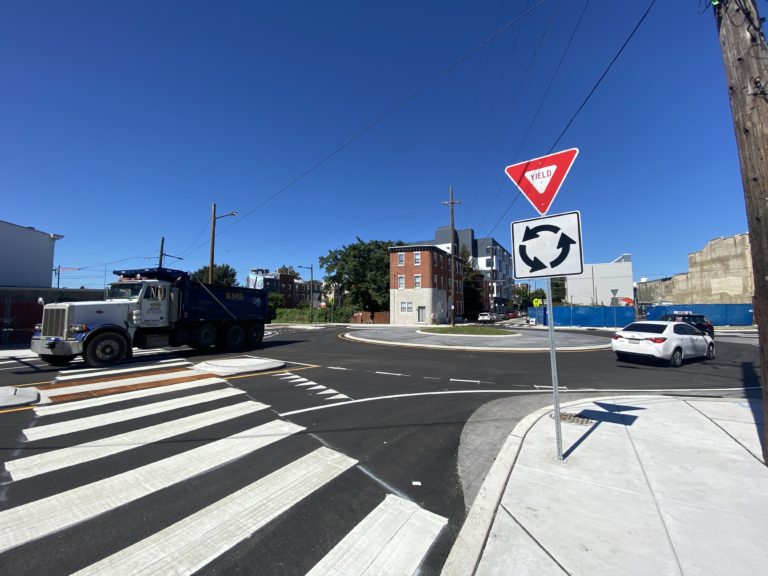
(549, 246)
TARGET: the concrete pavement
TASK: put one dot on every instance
(648, 485)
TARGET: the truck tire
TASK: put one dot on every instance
(56, 360)
(233, 338)
(204, 337)
(254, 335)
(105, 349)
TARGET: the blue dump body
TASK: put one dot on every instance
(209, 302)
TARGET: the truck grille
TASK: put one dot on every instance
(54, 322)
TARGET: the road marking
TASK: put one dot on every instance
(194, 542)
(467, 381)
(307, 383)
(337, 368)
(339, 397)
(328, 391)
(390, 374)
(120, 382)
(80, 424)
(58, 459)
(392, 539)
(31, 521)
(123, 396)
(75, 374)
(318, 387)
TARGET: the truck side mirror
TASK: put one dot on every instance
(41, 301)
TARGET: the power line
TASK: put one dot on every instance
(589, 95)
(387, 114)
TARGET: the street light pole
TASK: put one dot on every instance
(213, 237)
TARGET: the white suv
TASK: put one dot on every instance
(484, 318)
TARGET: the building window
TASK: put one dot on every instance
(417, 258)
(401, 282)
(406, 306)
(401, 259)
(409, 306)
(417, 281)
(403, 307)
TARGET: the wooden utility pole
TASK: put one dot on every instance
(745, 55)
(451, 202)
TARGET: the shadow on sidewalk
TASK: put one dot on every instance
(751, 379)
(611, 414)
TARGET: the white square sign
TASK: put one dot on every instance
(548, 246)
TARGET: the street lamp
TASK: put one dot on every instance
(311, 288)
(213, 237)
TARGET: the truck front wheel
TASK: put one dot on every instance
(105, 349)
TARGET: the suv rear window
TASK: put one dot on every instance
(643, 327)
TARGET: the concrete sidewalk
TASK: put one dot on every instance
(649, 485)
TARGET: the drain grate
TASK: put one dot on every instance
(571, 418)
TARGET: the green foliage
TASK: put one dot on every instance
(289, 270)
(223, 275)
(361, 270)
(473, 293)
(319, 315)
(276, 300)
(558, 290)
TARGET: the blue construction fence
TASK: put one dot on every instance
(718, 314)
(590, 316)
(619, 316)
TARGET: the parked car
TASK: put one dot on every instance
(698, 320)
(669, 341)
(484, 318)
(513, 314)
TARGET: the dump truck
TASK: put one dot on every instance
(150, 308)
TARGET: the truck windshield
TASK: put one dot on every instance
(129, 291)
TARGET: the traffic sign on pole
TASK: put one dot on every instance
(540, 179)
(548, 246)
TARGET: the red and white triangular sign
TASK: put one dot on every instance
(540, 179)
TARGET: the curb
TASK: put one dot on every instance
(349, 336)
(469, 545)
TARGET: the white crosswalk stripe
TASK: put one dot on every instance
(57, 459)
(200, 538)
(80, 424)
(36, 519)
(392, 539)
(95, 373)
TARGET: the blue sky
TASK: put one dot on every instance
(122, 122)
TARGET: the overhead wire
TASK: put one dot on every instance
(584, 102)
(386, 114)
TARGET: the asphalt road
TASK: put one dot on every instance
(390, 426)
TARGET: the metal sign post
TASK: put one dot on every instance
(553, 364)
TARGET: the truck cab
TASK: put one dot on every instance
(148, 308)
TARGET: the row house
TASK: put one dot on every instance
(420, 277)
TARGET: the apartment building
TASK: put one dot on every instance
(420, 277)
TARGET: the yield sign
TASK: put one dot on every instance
(540, 179)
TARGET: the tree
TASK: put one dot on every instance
(558, 289)
(289, 270)
(223, 275)
(473, 285)
(361, 270)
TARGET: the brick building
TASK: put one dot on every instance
(419, 277)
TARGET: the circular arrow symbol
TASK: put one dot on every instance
(563, 245)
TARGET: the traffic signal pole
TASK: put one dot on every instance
(744, 56)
